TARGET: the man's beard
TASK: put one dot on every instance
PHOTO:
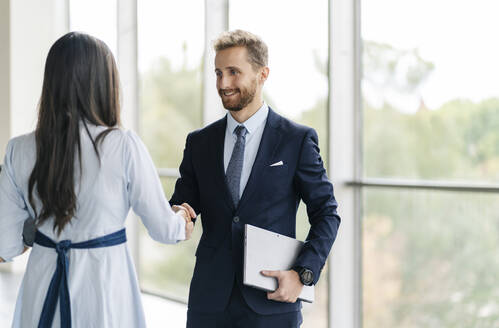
(246, 96)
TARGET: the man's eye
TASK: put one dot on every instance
(233, 72)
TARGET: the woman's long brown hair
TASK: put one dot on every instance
(80, 85)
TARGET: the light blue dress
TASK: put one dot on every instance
(103, 285)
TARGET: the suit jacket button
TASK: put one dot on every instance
(236, 219)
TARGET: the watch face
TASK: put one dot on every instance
(307, 277)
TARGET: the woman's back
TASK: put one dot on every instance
(102, 283)
(102, 198)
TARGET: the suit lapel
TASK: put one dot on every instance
(218, 151)
(271, 138)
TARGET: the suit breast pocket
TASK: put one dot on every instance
(276, 181)
(278, 170)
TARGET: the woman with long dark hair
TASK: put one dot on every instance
(77, 175)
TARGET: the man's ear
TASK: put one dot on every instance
(263, 74)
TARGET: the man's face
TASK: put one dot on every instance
(237, 80)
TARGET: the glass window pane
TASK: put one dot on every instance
(171, 47)
(167, 269)
(430, 95)
(97, 18)
(297, 86)
(430, 259)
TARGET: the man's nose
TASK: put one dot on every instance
(224, 82)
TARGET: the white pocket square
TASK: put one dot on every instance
(277, 164)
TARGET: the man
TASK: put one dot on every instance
(252, 166)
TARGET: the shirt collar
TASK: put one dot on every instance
(252, 123)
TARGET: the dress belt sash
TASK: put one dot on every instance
(59, 284)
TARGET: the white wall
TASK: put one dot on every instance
(28, 28)
(4, 76)
(34, 27)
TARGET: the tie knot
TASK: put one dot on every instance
(240, 131)
(63, 246)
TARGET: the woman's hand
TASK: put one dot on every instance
(189, 210)
(186, 212)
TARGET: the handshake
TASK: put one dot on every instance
(189, 214)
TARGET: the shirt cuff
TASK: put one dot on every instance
(10, 253)
(180, 227)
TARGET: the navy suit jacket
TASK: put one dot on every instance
(270, 201)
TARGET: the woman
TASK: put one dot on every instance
(77, 175)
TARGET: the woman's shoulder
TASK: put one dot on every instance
(112, 136)
(23, 138)
(123, 135)
(21, 143)
(20, 155)
(125, 139)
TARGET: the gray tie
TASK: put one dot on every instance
(233, 174)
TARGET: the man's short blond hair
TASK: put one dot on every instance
(257, 50)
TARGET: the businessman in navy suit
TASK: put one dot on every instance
(252, 166)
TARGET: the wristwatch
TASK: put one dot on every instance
(306, 275)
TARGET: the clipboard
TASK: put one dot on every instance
(267, 250)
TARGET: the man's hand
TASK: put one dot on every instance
(190, 211)
(289, 286)
(186, 211)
